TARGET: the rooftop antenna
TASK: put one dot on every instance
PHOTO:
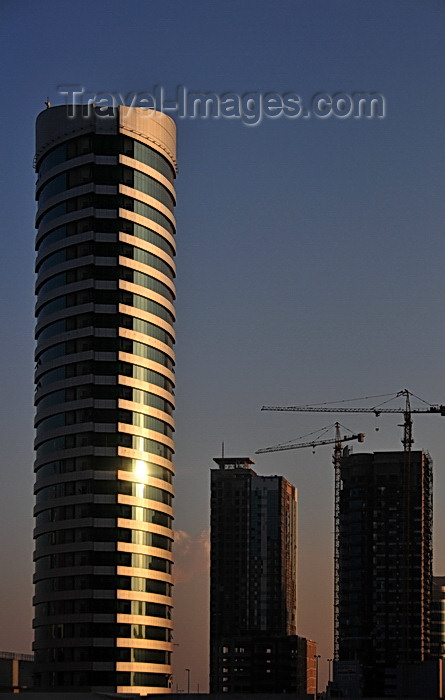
(222, 449)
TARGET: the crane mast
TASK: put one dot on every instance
(336, 460)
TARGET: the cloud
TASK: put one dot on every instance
(191, 608)
(191, 555)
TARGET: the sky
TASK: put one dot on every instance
(310, 255)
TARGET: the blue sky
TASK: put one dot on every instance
(310, 251)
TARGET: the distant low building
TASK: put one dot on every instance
(67, 695)
(438, 617)
(16, 671)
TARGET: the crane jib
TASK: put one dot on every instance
(342, 409)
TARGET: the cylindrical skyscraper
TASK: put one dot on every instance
(104, 399)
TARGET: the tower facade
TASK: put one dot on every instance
(385, 564)
(253, 573)
(104, 399)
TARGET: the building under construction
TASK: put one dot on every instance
(385, 568)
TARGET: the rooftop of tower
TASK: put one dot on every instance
(233, 462)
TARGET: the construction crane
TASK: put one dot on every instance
(407, 411)
(407, 442)
(337, 441)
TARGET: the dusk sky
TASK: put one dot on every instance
(310, 255)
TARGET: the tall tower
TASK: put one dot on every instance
(104, 399)
(384, 580)
(252, 574)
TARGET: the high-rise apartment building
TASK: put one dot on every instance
(385, 564)
(104, 399)
(252, 575)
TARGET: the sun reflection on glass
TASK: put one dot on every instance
(140, 468)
